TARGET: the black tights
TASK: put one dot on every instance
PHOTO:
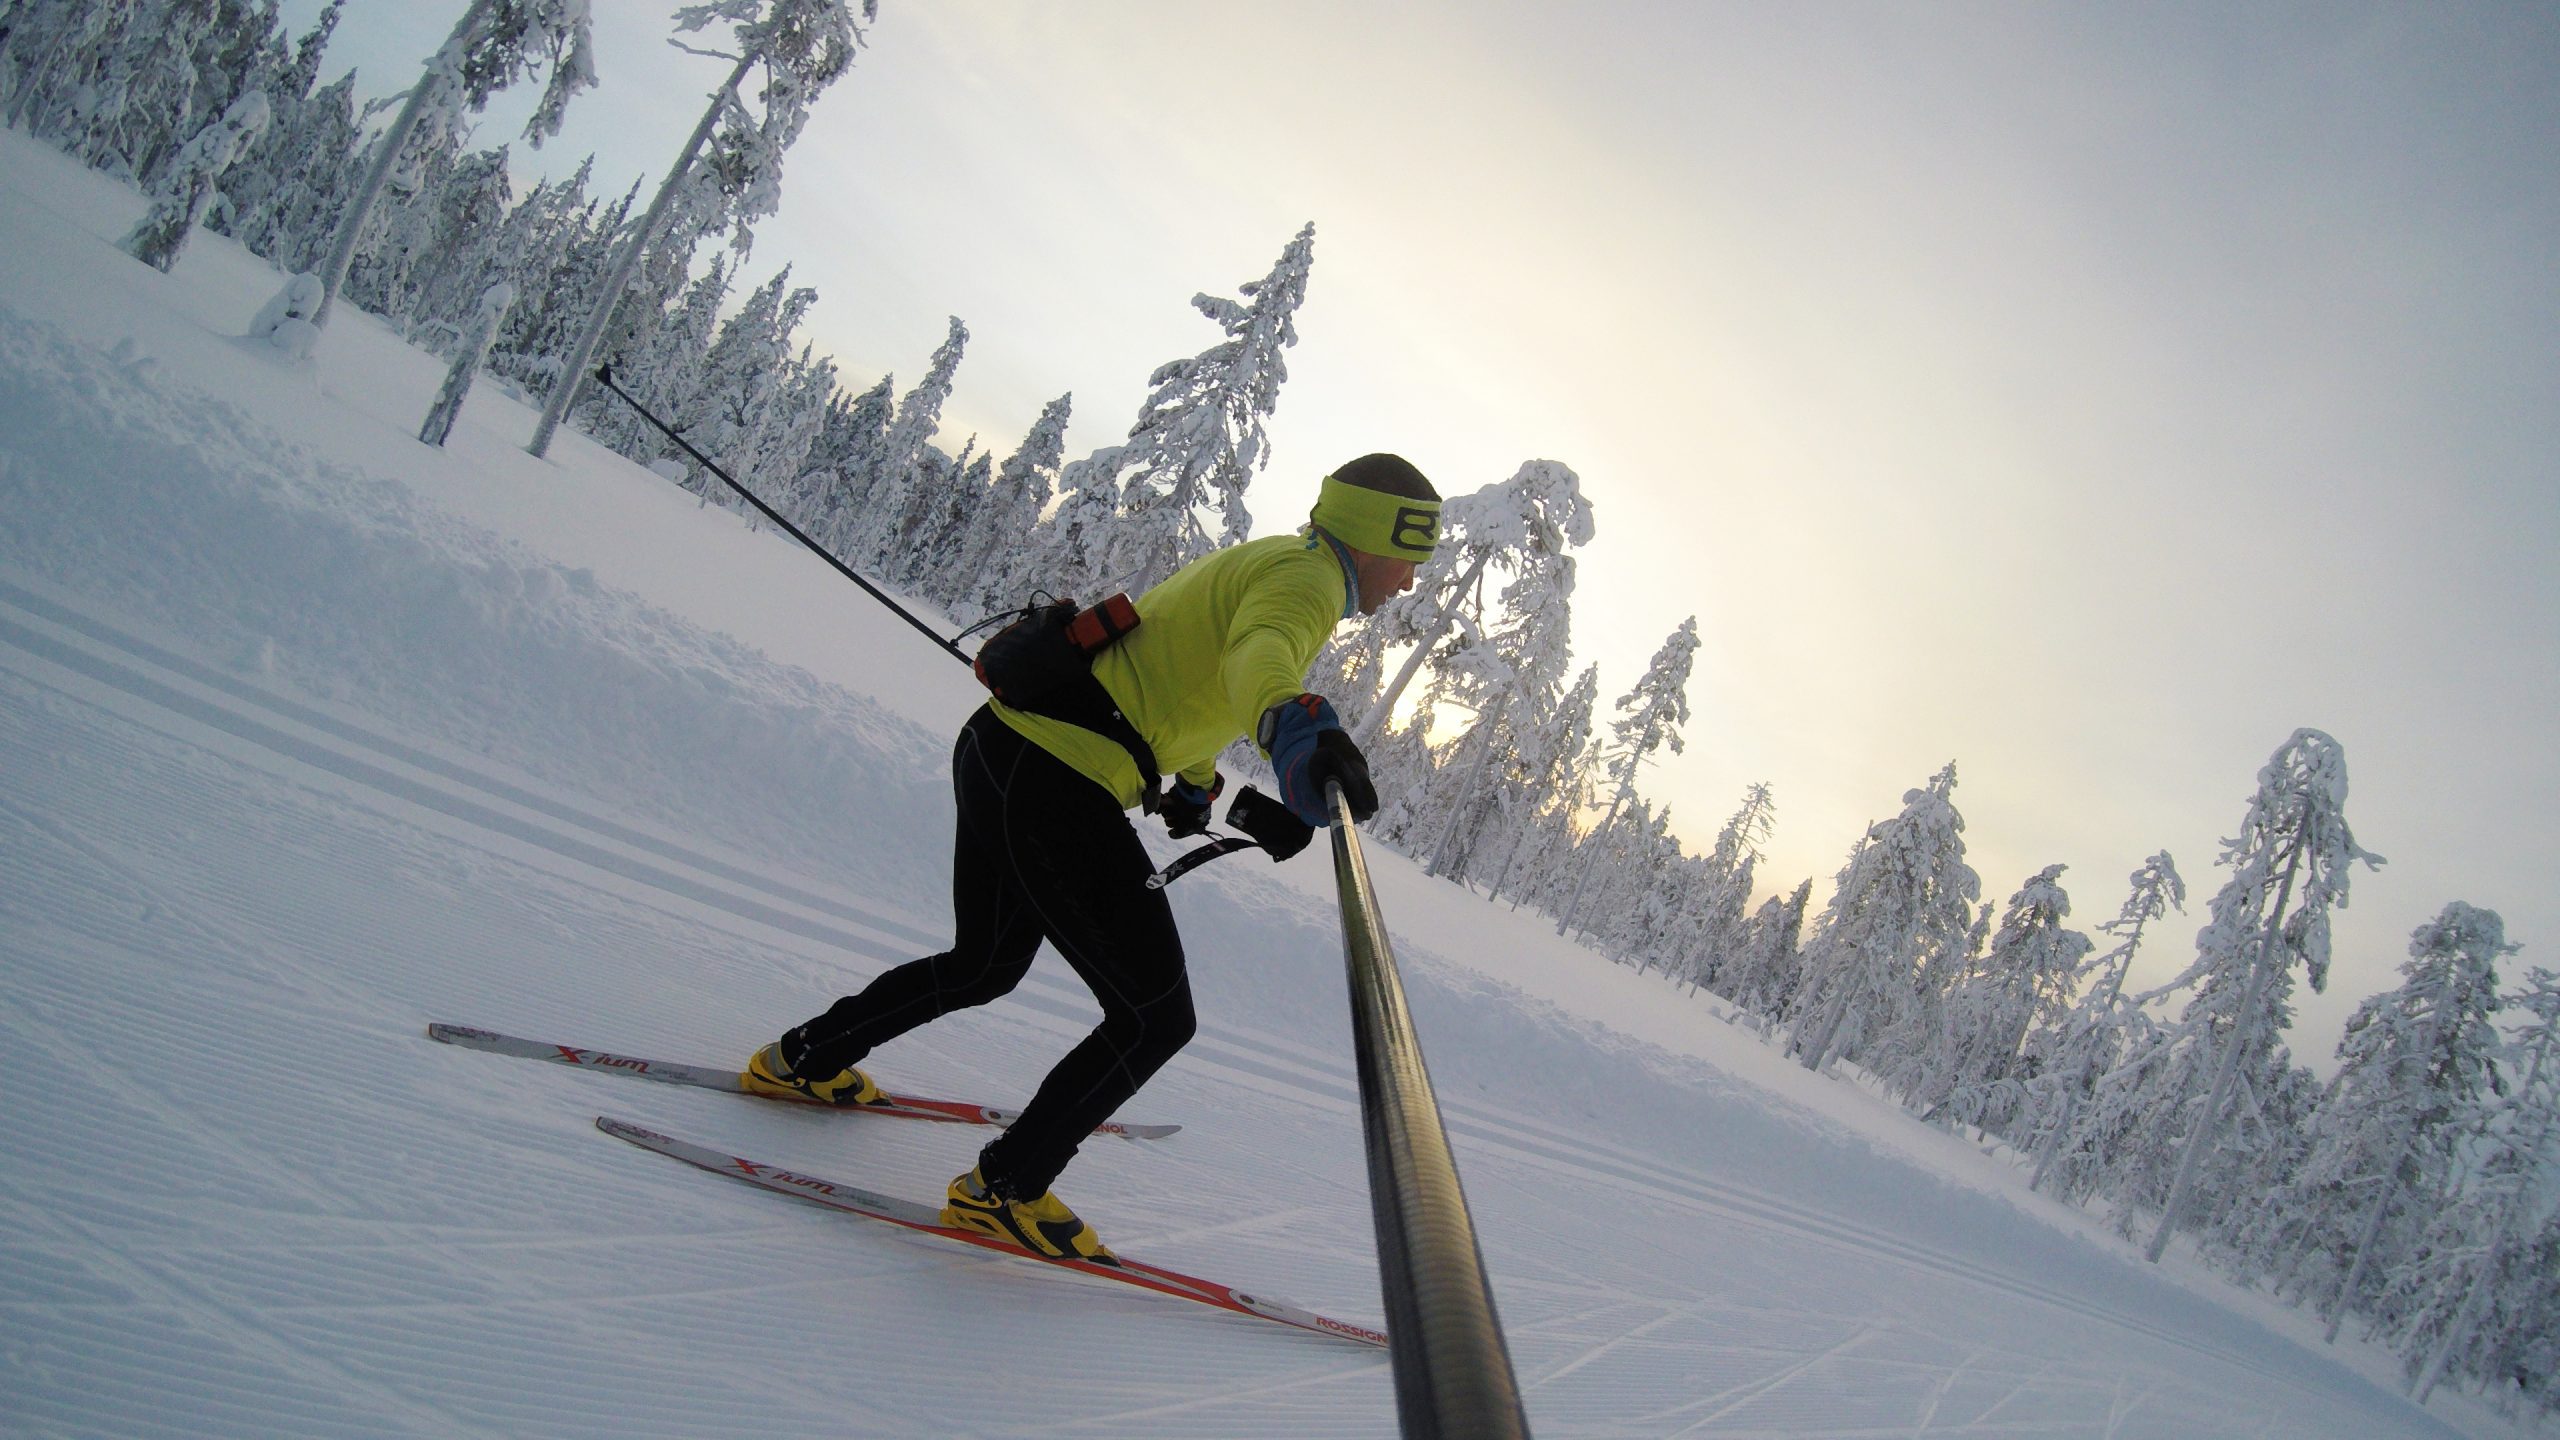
(1042, 852)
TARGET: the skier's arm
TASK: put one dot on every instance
(1282, 621)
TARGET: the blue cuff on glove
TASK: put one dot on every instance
(1288, 735)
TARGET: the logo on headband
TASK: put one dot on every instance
(1415, 529)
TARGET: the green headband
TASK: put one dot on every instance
(1396, 526)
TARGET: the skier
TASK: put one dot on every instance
(1045, 849)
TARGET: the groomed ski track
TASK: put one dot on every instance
(301, 754)
(343, 809)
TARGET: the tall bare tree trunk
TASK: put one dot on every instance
(440, 72)
(1490, 725)
(2227, 1067)
(573, 374)
(1375, 722)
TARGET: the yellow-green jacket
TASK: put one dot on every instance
(1223, 639)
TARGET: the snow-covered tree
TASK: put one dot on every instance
(1724, 918)
(2290, 866)
(143, 93)
(1509, 669)
(899, 491)
(789, 420)
(300, 178)
(494, 45)
(748, 387)
(1526, 525)
(957, 486)
(1649, 718)
(463, 219)
(298, 157)
(1546, 790)
(726, 180)
(62, 57)
(554, 241)
(2476, 1295)
(189, 188)
(466, 363)
(992, 572)
(2090, 1040)
(663, 371)
(845, 457)
(1198, 438)
(172, 77)
(1975, 1065)
(1761, 976)
(2110, 1143)
(1903, 904)
(1644, 920)
(2383, 1144)
(1066, 553)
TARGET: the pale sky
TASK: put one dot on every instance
(2090, 395)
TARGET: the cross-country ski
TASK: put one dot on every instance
(707, 1077)
(855, 1200)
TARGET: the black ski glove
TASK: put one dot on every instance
(1269, 823)
(1339, 761)
(1185, 807)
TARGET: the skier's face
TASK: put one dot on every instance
(1382, 578)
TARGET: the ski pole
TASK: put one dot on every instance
(1180, 867)
(604, 374)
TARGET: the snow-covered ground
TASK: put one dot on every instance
(310, 734)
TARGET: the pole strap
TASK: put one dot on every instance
(1193, 859)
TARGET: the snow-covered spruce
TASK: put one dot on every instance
(1198, 438)
(1649, 718)
(2479, 1292)
(2290, 866)
(995, 569)
(728, 174)
(898, 494)
(1722, 915)
(189, 190)
(2086, 1044)
(1903, 904)
(2415, 1063)
(495, 44)
(841, 463)
(1505, 662)
(1972, 1063)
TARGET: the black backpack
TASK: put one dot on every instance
(1042, 663)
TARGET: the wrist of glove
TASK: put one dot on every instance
(1308, 750)
(1185, 807)
(1268, 823)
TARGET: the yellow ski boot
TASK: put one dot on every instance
(1044, 1226)
(766, 1074)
